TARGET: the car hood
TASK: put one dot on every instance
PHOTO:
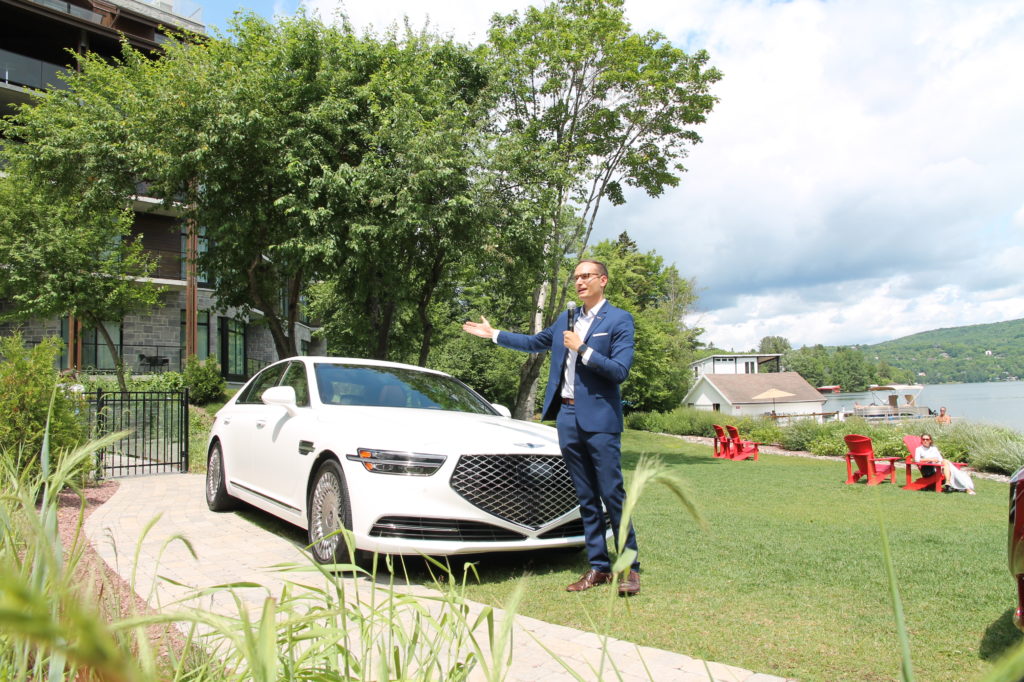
(435, 431)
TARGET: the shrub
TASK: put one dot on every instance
(203, 380)
(984, 446)
(800, 434)
(166, 381)
(761, 430)
(27, 380)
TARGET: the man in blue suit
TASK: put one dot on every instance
(590, 357)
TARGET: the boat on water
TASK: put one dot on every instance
(836, 388)
(893, 402)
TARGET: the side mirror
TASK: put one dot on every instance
(502, 410)
(282, 396)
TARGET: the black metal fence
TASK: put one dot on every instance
(158, 431)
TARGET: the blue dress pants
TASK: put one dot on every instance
(594, 463)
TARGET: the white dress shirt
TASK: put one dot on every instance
(584, 319)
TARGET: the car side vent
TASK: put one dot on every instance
(528, 490)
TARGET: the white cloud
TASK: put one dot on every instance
(854, 142)
(860, 177)
(872, 315)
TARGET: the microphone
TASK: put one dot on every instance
(571, 306)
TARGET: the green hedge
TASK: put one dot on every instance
(27, 380)
(202, 379)
(985, 447)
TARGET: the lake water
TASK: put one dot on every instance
(996, 403)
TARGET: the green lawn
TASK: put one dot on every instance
(788, 578)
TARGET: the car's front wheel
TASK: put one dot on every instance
(329, 515)
(217, 498)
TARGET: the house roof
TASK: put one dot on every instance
(742, 388)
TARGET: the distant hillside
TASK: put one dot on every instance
(980, 352)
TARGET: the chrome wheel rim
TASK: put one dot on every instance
(213, 474)
(326, 515)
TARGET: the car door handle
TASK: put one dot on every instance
(260, 423)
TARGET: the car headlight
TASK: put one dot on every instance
(401, 463)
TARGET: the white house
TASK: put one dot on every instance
(748, 395)
(733, 364)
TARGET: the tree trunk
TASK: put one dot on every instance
(526, 397)
(383, 342)
(423, 308)
(529, 373)
(284, 339)
(114, 353)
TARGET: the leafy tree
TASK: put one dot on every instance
(658, 298)
(774, 344)
(585, 107)
(425, 212)
(254, 137)
(849, 368)
(67, 253)
(813, 364)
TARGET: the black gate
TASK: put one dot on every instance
(157, 422)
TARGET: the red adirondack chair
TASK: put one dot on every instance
(935, 480)
(722, 443)
(873, 469)
(742, 449)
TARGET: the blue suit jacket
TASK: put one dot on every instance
(598, 399)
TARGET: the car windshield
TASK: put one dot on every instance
(372, 386)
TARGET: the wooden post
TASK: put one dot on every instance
(191, 290)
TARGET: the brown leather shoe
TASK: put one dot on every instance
(588, 580)
(630, 585)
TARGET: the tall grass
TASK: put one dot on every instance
(341, 622)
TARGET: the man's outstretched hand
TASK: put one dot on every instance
(483, 328)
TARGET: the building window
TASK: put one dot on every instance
(232, 348)
(202, 334)
(95, 353)
(717, 407)
(749, 368)
(202, 246)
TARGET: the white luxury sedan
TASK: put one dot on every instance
(411, 460)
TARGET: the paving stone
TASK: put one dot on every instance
(230, 549)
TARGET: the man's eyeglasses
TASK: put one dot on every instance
(585, 276)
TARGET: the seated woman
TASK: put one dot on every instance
(955, 478)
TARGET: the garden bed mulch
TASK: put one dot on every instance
(113, 594)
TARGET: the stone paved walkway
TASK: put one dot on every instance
(230, 549)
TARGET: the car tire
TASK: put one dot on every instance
(217, 498)
(329, 512)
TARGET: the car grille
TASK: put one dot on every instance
(418, 528)
(528, 490)
(570, 530)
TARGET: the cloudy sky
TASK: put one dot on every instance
(861, 178)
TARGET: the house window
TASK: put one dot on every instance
(749, 368)
(717, 407)
(232, 348)
(202, 333)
